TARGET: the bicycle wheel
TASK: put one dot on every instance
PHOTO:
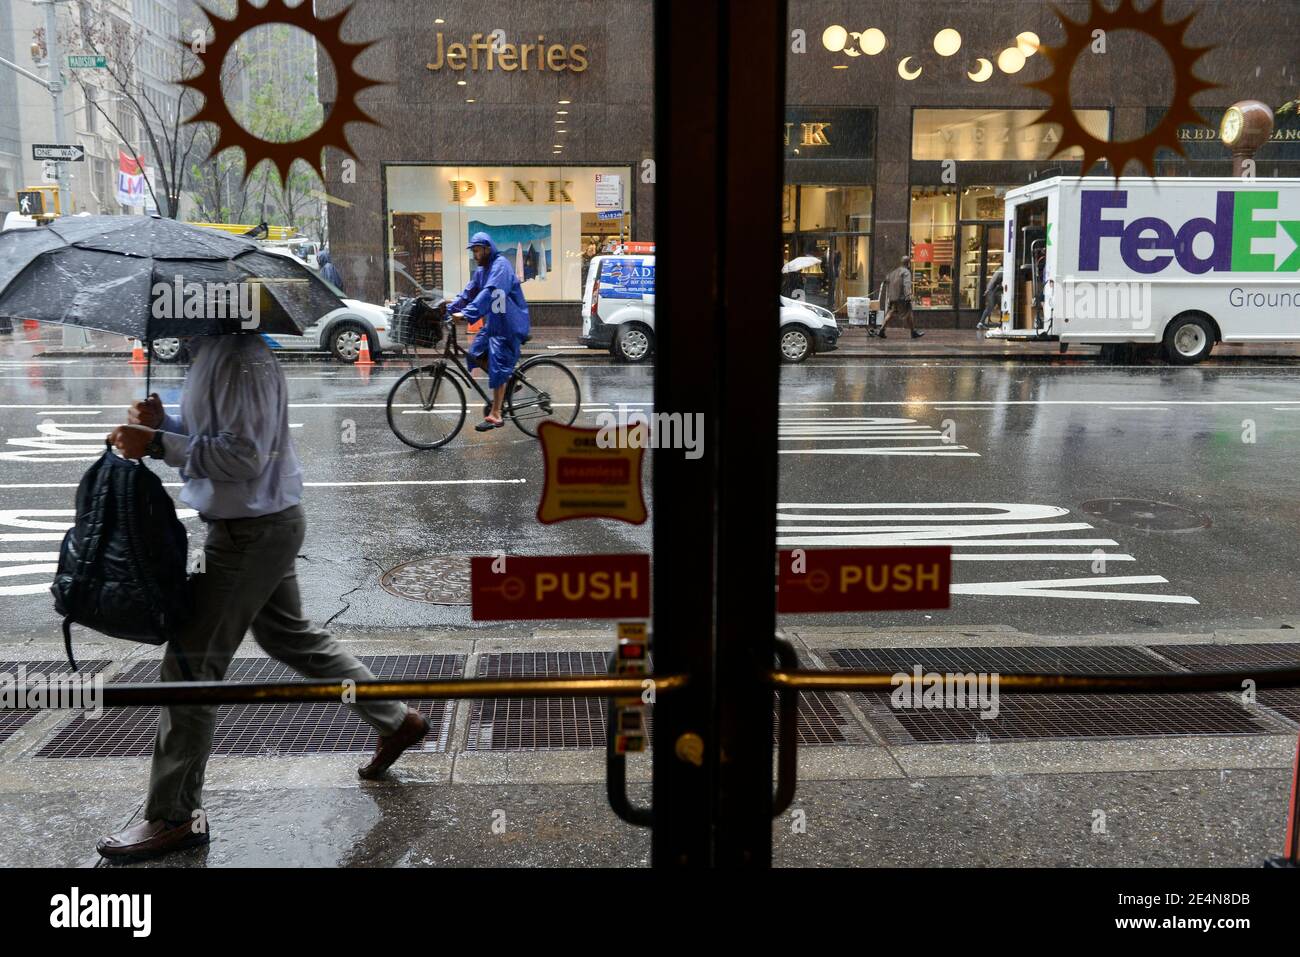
(542, 390)
(426, 407)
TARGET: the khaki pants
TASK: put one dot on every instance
(248, 581)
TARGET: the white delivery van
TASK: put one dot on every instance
(1175, 261)
(618, 313)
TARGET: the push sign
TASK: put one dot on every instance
(864, 579)
(563, 586)
(631, 658)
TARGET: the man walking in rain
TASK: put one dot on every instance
(240, 471)
(493, 293)
(898, 293)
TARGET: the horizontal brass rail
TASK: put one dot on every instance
(579, 686)
(220, 692)
(1173, 683)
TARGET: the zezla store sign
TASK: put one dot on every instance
(529, 53)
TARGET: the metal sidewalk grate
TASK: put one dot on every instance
(1035, 717)
(244, 729)
(1285, 701)
(553, 724)
(540, 724)
(11, 719)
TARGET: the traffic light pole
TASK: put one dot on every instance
(54, 56)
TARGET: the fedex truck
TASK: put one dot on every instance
(1178, 262)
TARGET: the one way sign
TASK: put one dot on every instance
(52, 151)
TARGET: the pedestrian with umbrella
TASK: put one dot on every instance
(231, 442)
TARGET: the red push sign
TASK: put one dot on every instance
(570, 586)
(863, 579)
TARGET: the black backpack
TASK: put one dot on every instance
(122, 566)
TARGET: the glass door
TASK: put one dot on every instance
(981, 257)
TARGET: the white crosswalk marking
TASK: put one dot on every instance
(975, 525)
(862, 430)
(40, 525)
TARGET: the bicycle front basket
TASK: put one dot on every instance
(415, 323)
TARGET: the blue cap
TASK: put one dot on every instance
(479, 239)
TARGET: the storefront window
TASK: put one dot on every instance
(549, 221)
(933, 232)
(833, 227)
(983, 203)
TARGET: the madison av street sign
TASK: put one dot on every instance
(51, 151)
(87, 62)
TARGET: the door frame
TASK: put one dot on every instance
(719, 114)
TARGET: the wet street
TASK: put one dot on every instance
(1078, 498)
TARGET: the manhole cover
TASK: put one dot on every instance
(1148, 516)
(436, 579)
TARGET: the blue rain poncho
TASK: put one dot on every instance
(507, 325)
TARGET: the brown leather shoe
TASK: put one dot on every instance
(150, 839)
(390, 748)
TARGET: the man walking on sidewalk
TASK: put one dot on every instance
(240, 471)
(992, 301)
(898, 293)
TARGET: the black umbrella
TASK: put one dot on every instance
(148, 277)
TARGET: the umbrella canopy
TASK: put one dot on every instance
(150, 278)
(800, 263)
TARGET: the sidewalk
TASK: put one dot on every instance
(869, 795)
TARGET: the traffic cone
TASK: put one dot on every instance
(363, 357)
(137, 353)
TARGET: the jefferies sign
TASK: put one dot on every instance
(492, 51)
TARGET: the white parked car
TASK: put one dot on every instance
(339, 332)
(618, 313)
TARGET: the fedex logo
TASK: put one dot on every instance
(1148, 244)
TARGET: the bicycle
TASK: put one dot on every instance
(427, 406)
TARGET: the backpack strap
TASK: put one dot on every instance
(67, 642)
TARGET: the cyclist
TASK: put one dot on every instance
(493, 294)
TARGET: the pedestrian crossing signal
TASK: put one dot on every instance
(31, 202)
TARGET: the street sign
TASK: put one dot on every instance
(87, 62)
(49, 172)
(610, 214)
(508, 588)
(863, 579)
(53, 151)
(592, 473)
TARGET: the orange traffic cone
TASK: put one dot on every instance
(137, 353)
(363, 357)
